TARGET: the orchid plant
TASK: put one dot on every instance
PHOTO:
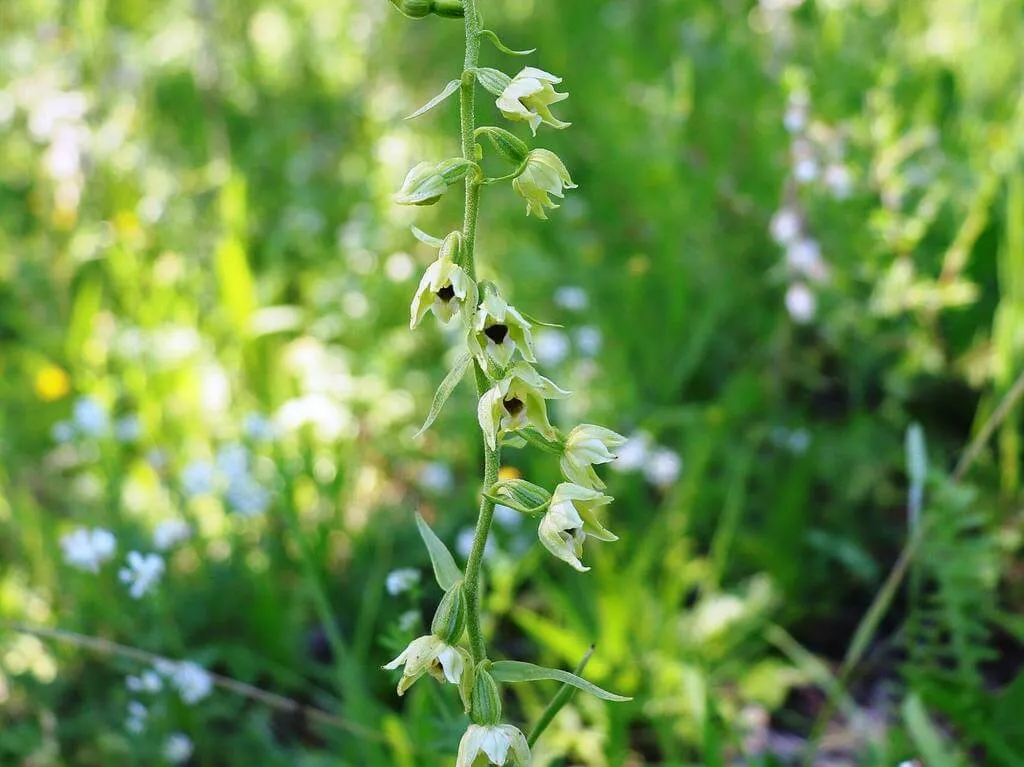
(513, 396)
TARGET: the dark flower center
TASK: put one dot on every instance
(514, 406)
(446, 294)
(497, 333)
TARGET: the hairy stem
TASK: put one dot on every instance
(467, 111)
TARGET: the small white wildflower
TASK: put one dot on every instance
(801, 303)
(62, 431)
(501, 745)
(570, 519)
(795, 119)
(838, 180)
(430, 655)
(589, 340)
(804, 258)
(142, 573)
(178, 748)
(198, 478)
(87, 549)
(90, 417)
(147, 681)
(233, 461)
(192, 681)
(785, 226)
(586, 446)
(170, 533)
(407, 621)
(528, 97)
(805, 170)
(551, 346)
(137, 715)
(401, 580)
(128, 429)
(633, 454)
(436, 477)
(571, 298)
(518, 401)
(662, 467)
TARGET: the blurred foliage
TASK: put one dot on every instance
(203, 303)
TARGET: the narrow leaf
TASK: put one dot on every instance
(444, 391)
(926, 735)
(493, 37)
(518, 671)
(493, 80)
(426, 239)
(446, 572)
(448, 90)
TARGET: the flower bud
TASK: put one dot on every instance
(506, 144)
(450, 619)
(521, 495)
(449, 9)
(485, 706)
(414, 9)
(427, 181)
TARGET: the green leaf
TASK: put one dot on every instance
(926, 735)
(493, 37)
(444, 391)
(518, 671)
(448, 90)
(446, 572)
(426, 239)
(493, 80)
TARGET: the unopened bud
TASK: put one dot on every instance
(485, 706)
(449, 9)
(509, 146)
(427, 181)
(520, 495)
(450, 619)
(414, 9)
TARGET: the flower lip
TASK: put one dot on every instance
(447, 293)
(497, 332)
(514, 405)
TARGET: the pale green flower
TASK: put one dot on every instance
(586, 446)
(498, 330)
(500, 744)
(570, 519)
(430, 655)
(518, 401)
(528, 96)
(445, 289)
(544, 174)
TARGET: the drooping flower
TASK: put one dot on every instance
(142, 573)
(586, 446)
(445, 289)
(430, 655)
(500, 744)
(518, 401)
(528, 98)
(570, 519)
(543, 175)
(498, 330)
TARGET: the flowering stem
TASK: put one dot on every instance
(467, 112)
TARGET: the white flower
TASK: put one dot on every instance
(518, 401)
(803, 256)
(87, 549)
(586, 446)
(147, 681)
(142, 573)
(430, 655)
(544, 174)
(198, 478)
(137, 715)
(408, 619)
(170, 533)
(570, 519)
(191, 681)
(247, 497)
(838, 180)
(552, 346)
(177, 748)
(662, 467)
(528, 97)
(572, 298)
(90, 417)
(588, 339)
(805, 170)
(785, 226)
(801, 303)
(500, 744)
(445, 289)
(633, 453)
(401, 580)
(498, 330)
(233, 461)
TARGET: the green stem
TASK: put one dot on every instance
(492, 459)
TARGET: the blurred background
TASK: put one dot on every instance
(799, 230)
